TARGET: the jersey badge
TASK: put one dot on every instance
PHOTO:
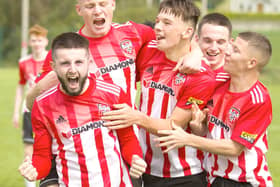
(192, 100)
(179, 79)
(103, 108)
(248, 137)
(127, 47)
(234, 114)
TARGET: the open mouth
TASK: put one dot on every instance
(99, 22)
(213, 54)
(73, 80)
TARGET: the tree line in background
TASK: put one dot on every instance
(57, 17)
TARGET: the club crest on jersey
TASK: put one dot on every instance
(248, 137)
(179, 79)
(233, 114)
(192, 100)
(127, 47)
(103, 108)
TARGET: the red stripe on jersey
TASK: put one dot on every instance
(215, 165)
(260, 179)
(100, 63)
(127, 72)
(149, 152)
(122, 183)
(229, 169)
(65, 176)
(78, 145)
(242, 164)
(166, 166)
(100, 148)
(186, 166)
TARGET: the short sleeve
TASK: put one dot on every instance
(252, 124)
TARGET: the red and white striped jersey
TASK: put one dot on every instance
(244, 118)
(113, 55)
(161, 91)
(88, 154)
(29, 68)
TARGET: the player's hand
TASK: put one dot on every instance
(190, 63)
(121, 117)
(138, 167)
(171, 139)
(198, 115)
(16, 120)
(27, 170)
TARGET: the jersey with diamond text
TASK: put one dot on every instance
(244, 118)
(88, 154)
(161, 91)
(113, 55)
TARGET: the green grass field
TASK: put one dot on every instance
(11, 143)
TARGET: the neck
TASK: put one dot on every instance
(177, 52)
(243, 82)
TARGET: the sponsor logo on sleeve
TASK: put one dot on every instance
(248, 137)
(192, 100)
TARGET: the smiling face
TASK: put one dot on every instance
(213, 41)
(71, 66)
(97, 15)
(169, 30)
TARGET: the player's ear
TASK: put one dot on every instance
(187, 33)
(78, 9)
(252, 63)
(52, 64)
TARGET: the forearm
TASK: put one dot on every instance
(18, 98)
(224, 147)
(129, 144)
(49, 81)
(153, 125)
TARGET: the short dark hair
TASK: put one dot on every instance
(184, 8)
(69, 40)
(261, 46)
(215, 19)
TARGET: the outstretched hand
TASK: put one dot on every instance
(138, 167)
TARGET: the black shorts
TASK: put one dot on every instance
(27, 128)
(222, 182)
(52, 177)
(198, 180)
